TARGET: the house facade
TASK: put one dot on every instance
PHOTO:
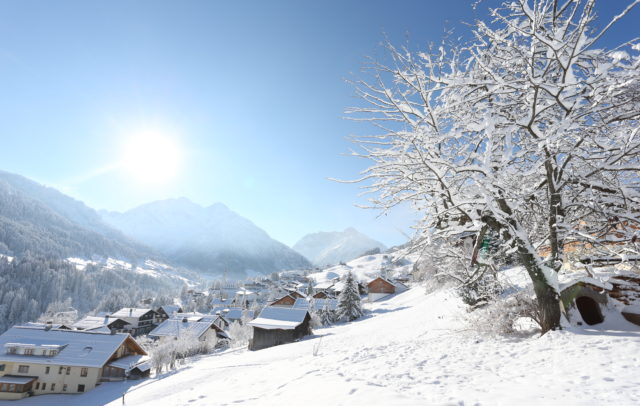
(142, 321)
(35, 361)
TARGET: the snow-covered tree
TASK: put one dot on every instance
(327, 317)
(529, 131)
(349, 304)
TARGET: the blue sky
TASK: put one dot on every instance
(251, 92)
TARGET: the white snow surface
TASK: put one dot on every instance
(412, 349)
(365, 268)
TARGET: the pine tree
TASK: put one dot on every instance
(349, 306)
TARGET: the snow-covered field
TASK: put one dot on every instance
(412, 349)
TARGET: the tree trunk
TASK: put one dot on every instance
(548, 298)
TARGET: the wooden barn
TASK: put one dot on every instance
(381, 287)
(279, 325)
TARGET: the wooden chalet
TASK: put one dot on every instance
(287, 300)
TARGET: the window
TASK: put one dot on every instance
(53, 352)
(68, 370)
(37, 385)
(12, 387)
(84, 371)
(64, 387)
(60, 370)
(12, 350)
(1, 367)
(53, 386)
(47, 369)
(44, 385)
(28, 351)
(80, 388)
(23, 369)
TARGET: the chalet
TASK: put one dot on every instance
(142, 321)
(202, 330)
(381, 287)
(279, 325)
(165, 312)
(221, 322)
(105, 324)
(287, 300)
(36, 361)
(322, 295)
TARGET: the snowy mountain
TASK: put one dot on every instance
(212, 239)
(328, 248)
(41, 220)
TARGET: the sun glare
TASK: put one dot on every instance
(152, 158)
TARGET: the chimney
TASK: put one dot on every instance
(184, 320)
(130, 311)
(48, 325)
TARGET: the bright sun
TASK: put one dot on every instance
(152, 158)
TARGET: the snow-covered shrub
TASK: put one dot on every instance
(240, 334)
(327, 317)
(503, 315)
(316, 319)
(480, 291)
(168, 352)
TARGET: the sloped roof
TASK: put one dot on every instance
(177, 328)
(232, 313)
(316, 304)
(301, 303)
(285, 318)
(131, 312)
(331, 304)
(128, 362)
(94, 322)
(170, 309)
(78, 348)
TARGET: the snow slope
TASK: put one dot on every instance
(412, 349)
(330, 248)
(367, 267)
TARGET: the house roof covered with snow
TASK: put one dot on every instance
(284, 318)
(131, 312)
(76, 348)
(170, 309)
(94, 322)
(232, 313)
(179, 328)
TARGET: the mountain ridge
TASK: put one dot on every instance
(329, 248)
(213, 238)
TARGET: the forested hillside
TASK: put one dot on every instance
(29, 286)
(38, 220)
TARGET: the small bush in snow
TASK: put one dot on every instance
(240, 334)
(502, 315)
